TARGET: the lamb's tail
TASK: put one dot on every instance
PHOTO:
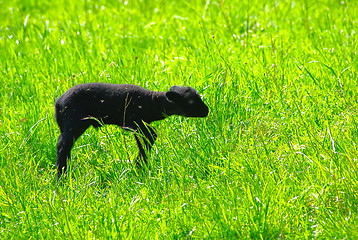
(58, 114)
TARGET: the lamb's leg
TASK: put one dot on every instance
(147, 134)
(65, 143)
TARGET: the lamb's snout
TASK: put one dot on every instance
(205, 111)
(202, 111)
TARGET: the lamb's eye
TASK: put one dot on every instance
(191, 101)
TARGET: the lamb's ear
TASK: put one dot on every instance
(174, 88)
(173, 96)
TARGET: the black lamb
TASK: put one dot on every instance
(127, 106)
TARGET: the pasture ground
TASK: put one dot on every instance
(275, 159)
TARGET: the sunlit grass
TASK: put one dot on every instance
(275, 159)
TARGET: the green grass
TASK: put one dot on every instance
(277, 157)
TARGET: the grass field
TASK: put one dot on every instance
(277, 157)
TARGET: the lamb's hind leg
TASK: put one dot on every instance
(65, 143)
(147, 134)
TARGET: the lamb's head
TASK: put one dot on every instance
(186, 102)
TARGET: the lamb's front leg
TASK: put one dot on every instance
(145, 134)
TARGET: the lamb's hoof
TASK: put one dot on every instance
(140, 163)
